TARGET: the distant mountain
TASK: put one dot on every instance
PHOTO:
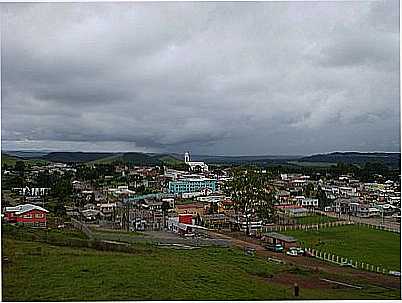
(69, 157)
(389, 159)
(26, 154)
(176, 159)
(239, 159)
(8, 159)
(99, 158)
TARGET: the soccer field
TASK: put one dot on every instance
(359, 243)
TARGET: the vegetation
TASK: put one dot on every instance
(248, 189)
(42, 272)
(8, 162)
(359, 243)
(314, 219)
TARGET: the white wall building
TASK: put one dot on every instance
(194, 165)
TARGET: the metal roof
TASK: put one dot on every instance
(20, 209)
(281, 237)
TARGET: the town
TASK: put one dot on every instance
(200, 151)
(192, 204)
(139, 198)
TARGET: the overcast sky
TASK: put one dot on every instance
(214, 78)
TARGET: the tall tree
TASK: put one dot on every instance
(248, 188)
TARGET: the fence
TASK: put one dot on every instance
(363, 221)
(328, 257)
(304, 226)
(280, 228)
(81, 226)
(379, 227)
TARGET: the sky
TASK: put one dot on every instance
(217, 78)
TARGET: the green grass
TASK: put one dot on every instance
(359, 243)
(121, 236)
(67, 274)
(314, 219)
(38, 271)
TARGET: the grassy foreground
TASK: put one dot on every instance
(360, 243)
(38, 271)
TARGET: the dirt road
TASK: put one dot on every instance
(316, 265)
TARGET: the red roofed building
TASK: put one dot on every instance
(27, 214)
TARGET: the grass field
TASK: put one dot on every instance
(362, 244)
(314, 219)
(59, 273)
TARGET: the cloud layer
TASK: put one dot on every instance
(216, 78)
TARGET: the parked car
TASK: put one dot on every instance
(292, 253)
(249, 251)
(274, 247)
(295, 251)
(395, 273)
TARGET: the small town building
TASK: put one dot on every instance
(193, 208)
(27, 214)
(277, 238)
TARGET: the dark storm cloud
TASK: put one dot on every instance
(231, 78)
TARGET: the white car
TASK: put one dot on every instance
(292, 253)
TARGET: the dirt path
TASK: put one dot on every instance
(315, 265)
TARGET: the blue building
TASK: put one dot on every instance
(191, 185)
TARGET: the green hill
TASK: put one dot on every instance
(11, 160)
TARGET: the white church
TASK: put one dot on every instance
(194, 165)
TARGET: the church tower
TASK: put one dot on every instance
(186, 157)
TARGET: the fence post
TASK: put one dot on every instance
(372, 267)
(337, 259)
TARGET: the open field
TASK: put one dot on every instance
(63, 273)
(39, 271)
(359, 243)
(314, 219)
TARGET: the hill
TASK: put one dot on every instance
(174, 159)
(389, 159)
(69, 157)
(11, 160)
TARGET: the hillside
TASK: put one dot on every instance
(175, 159)
(69, 157)
(389, 159)
(9, 160)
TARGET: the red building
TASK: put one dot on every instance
(26, 214)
